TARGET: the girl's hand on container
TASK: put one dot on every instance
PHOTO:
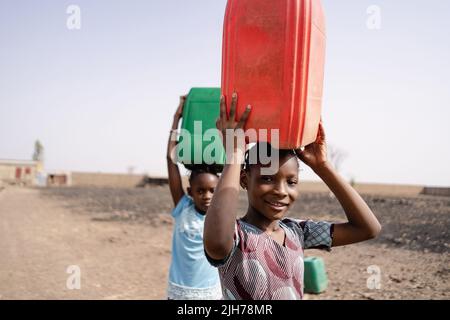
(230, 127)
(315, 154)
(179, 112)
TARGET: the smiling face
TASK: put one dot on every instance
(272, 195)
(202, 190)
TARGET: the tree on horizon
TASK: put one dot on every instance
(38, 154)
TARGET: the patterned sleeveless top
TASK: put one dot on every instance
(259, 268)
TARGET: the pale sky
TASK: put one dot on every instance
(102, 98)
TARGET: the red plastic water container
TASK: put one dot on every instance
(273, 57)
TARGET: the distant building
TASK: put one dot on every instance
(59, 179)
(19, 172)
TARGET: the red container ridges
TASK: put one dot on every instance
(273, 57)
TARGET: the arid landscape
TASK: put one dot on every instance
(120, 238)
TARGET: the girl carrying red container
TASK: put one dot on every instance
(260, 256)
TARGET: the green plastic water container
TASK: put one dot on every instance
(199, 142)
(315, 276)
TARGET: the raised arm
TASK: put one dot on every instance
(175, 184)
(362, 223)
(221, 216)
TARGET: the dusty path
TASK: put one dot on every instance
(39, 239)
(123, 255)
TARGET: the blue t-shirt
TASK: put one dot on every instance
(189, 267)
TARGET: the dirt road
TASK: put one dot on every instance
(121, 238)
(39, 240)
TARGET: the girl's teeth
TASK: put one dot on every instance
(276, 204)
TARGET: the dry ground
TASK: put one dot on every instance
(121, 240)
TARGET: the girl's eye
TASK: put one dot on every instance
(266, 178)
(292, 182)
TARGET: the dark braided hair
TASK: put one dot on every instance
(253, 155)
(199, 169)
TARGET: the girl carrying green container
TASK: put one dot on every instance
(191, 277)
